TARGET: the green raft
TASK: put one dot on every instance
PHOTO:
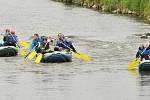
(8, 51)
(144, 65)
(57, 57)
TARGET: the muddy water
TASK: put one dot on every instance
(108, 39)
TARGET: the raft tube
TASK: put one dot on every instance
(57, 57)
(8, 51)
(144, 65)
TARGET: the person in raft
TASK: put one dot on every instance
(45, 46)
(143, 52)
(35, 43)
(63, 44)
(7, 31)
(10, 38)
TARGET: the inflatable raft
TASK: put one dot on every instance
(8, 51)
(57, 57)
(144, 65)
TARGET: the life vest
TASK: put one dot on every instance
(10, 38)
(146, 52)
(65, 44)
(34, 43)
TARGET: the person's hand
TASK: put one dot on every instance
(136, 59)
(67, 50)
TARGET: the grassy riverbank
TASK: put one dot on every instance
(140, 8)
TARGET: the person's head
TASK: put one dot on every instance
(13, 32)
(142, 47)
(44, 40)
(7, 31)
(61, 36)
(36, 36)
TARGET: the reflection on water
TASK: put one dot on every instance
(145, 78)
(144, 85)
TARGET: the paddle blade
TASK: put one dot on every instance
(81, 56)
(38, 59)
(85, 57)
(31, 55)
(22, 52)
(76, 55)
(133, 64)
(24, 44)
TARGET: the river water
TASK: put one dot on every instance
(108, 39)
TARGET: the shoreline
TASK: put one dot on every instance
(107, 9)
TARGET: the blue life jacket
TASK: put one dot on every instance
(140, 52)
(10, 38)
(65, 44)
(34, 43)
(146, 52)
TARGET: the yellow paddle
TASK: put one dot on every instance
(133, 64)
(32, 55)
(22, 52)
(24, 44)
(79, 55)
(38, 59)
(84, 57)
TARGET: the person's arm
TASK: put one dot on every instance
(4, 39)
(16, 38)
(72, 47)
(138, 55)
(31, 46)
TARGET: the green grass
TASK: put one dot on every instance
(147, 8)
(142, 7)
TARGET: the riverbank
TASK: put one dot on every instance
(139, 8)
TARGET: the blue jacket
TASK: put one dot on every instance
(146, 52)
(10, 38)
(35, 43)
(65, 45)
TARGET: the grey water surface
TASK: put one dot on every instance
(108, 39)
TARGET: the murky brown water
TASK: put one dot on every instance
(108, 39)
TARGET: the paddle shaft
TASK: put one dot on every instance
(30, 51)
(70, 48)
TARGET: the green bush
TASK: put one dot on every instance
(142, 7)
(147, 9)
